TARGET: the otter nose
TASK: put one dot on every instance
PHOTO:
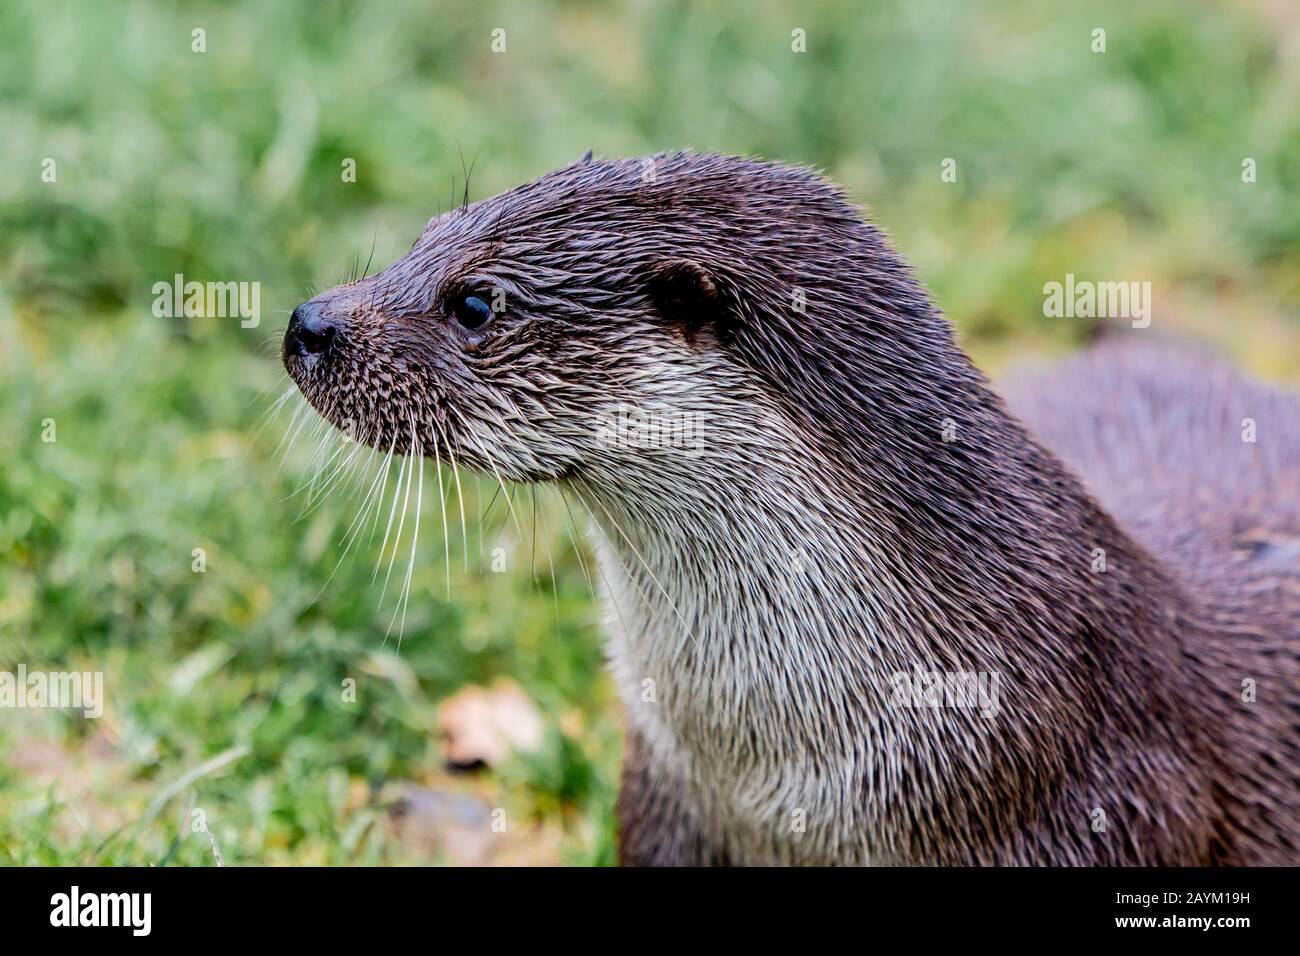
(309, 331)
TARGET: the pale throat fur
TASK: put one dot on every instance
(760, 598)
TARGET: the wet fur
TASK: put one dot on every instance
(763, 589)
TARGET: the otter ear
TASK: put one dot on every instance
(685, 295)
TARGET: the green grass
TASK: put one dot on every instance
(226, 166)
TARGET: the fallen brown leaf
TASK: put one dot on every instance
(484, 725)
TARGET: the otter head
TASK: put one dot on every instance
(599, 315)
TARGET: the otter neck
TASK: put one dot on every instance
(976, 534)
(770, 603)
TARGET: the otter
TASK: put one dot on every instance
(859, 525)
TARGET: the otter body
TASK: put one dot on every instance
(1124, 736)
(857, 513)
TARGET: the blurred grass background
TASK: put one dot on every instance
(225, 166)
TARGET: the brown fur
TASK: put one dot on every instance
(1124, 688)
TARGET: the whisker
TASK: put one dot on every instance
(353, 534)
(532, 558)
(401, 522)
(392, 511)
(505, 494)
(460, 503)
(568, 526)
(269, 415)
(382, 490)
(403, 599)
(646, 566)
(291, 434)
(442, 498)
(374, 238)
(319, 456)
(492, 501)
(312, 494)
(600, 569)
(410, 567)
(340, 470)
(550, 560)
(497, 474)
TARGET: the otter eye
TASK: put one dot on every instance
(471, 311)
